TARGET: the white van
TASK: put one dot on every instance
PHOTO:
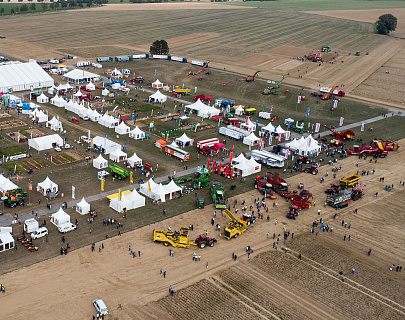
(100, 306)
(40, 232)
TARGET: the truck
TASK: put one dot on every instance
(207, 142)
(218, 195)
(233, 134)
(343, 198)
(174, 238)
(203, 97)
(178, 153)
(235, 227)
(105, 59)
(350, 181)
(118, 172)
(123, 58)
(335, 92)
(177, 89)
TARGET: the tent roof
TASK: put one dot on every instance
(118, 152)
(60, 214)
(172, 187)
(82, 202)
(46, 184)
(279, 129)
(269, 127)
(157, 82)
(197, 105)
(99, 159)
(8, 185)
(157, 95)
(239, 158)
(293, 144)
(42, 96)
(136, 130)
(252, 137)
(184, 138)
(77, 74)
(134, 158)
(122, 125)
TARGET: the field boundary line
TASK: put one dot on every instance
(236, 294)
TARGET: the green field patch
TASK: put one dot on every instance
(17, 166)
(172, 133)
(68, 157)
(12, 151)
(25, 133)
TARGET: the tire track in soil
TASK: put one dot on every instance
(354, 285)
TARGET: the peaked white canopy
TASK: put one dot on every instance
(239, 111)
(137, 133)
(269, 128)
(157, 97)
(47, 186)
(42, 98)
(90, 86)
(118, 155)
(60, 217)
(248, 167)
(7, 185)
(134, 160)
(184, 141)
(58, 101)
(279, 130)
(157, 84)
(239, 158)
(100, 162)
(83, 206)
(251, 139)
(54, 124)
(128, 202)
(39, 115)
(122, 128)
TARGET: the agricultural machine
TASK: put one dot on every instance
(202, 241)
(298, 126)
(179, 90)
(235, 227)
(218, 195)
(264, 188)
(274, 181)
(299, 201)
(248, 218)
(118, 172)
(334, 188)
(312, 169)
(202, 178)
(350, 181)
(304, 159)
(137, 80)
(327, 93)
(380, 148)
(343, 198)
(200, 203)
(273, 89)
(252, 78)
(173, 238)
(191, 73)
(14, 198)
(346, 135)
(325, 48)
(203, 97)
(315, 57)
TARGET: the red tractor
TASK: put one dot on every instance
(335, 188)
(312, 169)
(265, 188)
(293, 212)
(304, 159)
(276, 183)
(202, 241)
(137, 80)
(248, 218)
(346, 135)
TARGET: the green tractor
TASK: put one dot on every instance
(14, 198)
(202, 178)
(218, 195)
(298, 126)
(200, 203)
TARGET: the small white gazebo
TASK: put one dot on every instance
(42, 98)
(118, 155)
(83, 206)
(157, 84)
(100, 162)
(157, 97)
(60, 217)
(122, 128)
(134, 160)
(47, 186)
(251, 140)
(90, 86)
(184, 141)
(137, 133)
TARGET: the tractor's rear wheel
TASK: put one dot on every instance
(248, 223)
(314, 172)
(202, 245)
(211, 243)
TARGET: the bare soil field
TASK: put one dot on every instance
(162, 6)
(370, 15)
(386, 83)
(271, 284)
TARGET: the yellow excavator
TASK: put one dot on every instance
(235, 227)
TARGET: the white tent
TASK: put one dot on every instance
(172, 188)
(60, 217)
(47, 186)
(90, 86)
(100, 162)
(39, 115)
(134, 160)
(251, 139)
(137, 133)
(94, 115)
(116, 73)
(293, 144)
(108, 121)
(157, 97)
(248, 125)
(105, 144)
(42, 98)
(239, 111)
(105, 92)
(45, 142)
(78, 94)
(122, 128)
(239, 158)
(6, 241)
(248, 167)
(52, 89)
(78, 76)
(23, 76)
(7, 185)
(118, 155)
(308, 146)
(158, 192)
(208, 111)
(66, 86)
(54, 124)
(58, 101)
(269, 128)
(85, 112)
(83, 206)
(196, 106)
(70, 106)
(157, 84)
(115, 86)
(279, 130)
(128, 202)
(184, 141)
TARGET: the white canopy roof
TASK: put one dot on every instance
(100, 162)
(83, 206)
(196, 105)
(157, 84)
(47, 184)
(90, 86)
(55, 124)
(42, 98)
(78, 94)
(251, 139)
(279, 130)
(134, 159)
(239, 110)
(60, 217)
(158, 191)
(122, 128)
(80, 75)
(158, 97)
(248, 167)
(184, 139)
(308, 145)
(116, 72)
(137, 133)
(58, 101)
(129, 201)
(293, 144)
(270, 128)
(39, 115)
(64, 86)
(117, 154)
(239, 158)
(172, 187)
(7, 185)
(45, 142)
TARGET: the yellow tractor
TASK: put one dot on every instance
(173, 238)
(235, 227)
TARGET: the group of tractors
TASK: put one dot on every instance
(180, 239)
(340, 195)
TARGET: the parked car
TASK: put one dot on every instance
(100, 306)
(40, 232)
(58, 149)
(85, 139)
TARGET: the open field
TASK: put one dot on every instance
(271, 284)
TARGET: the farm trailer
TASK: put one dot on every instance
(123, 58)
(178, 153)
(233, 134)
(105, 59)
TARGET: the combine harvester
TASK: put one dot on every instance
(236, 226)
(379, 148)
(345, 135)
(218, 195)
(252, 78)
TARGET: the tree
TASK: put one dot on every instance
(44, 6)
(159, 47)
(32, 7)
(2, 10)
(386, 23)
(24, 8)
(12, 11)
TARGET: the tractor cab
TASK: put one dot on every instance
(200, 203)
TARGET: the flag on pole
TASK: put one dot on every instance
(308, 111)
(30, 186)
(155, 72)
(119, 195)
(362, 126)
(102, 184)
(309, 141)
(195, 89)
(335, 102)
(287, 135)
(230, 157)
(73, 192)
(247, 120)
(149, 189)
(151, 114)
(263, 106)
(271, 109)
(317, 127)
(132, 177)
(341, 121)
(270, 140)
(299, 99)
(279, 137)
